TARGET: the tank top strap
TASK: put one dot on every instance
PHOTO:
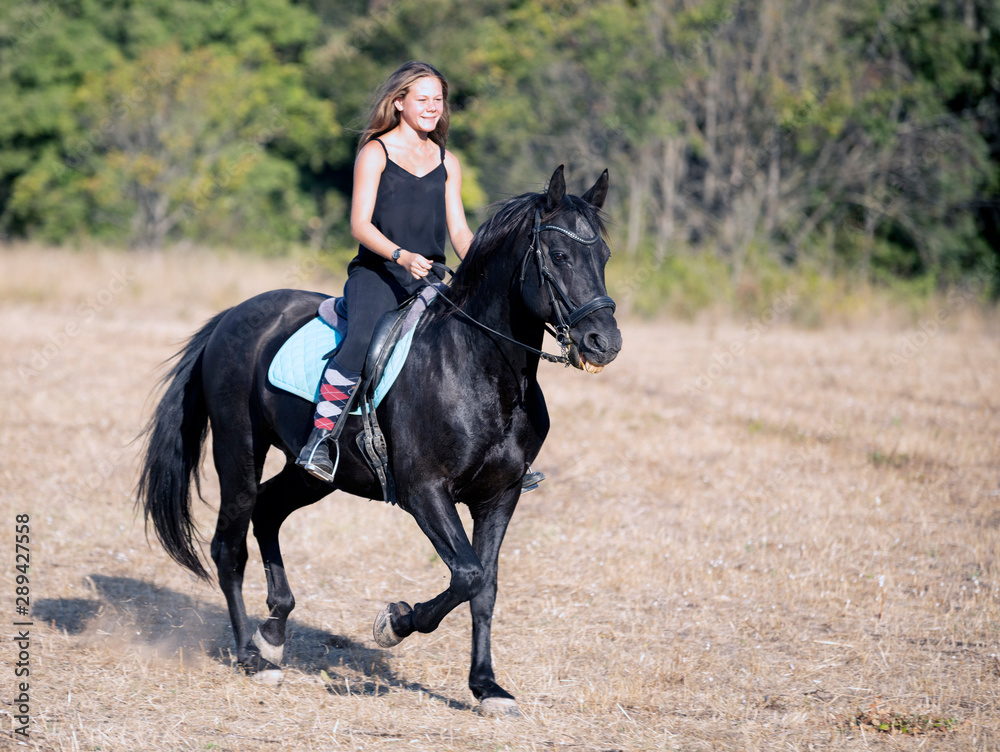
(383, 147)
(442, 155)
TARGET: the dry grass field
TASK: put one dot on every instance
(752, 537)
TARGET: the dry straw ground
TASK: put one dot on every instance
(786, 548)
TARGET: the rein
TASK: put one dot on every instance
(540, 353)
(547, 280)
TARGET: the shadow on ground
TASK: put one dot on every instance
(172, 624)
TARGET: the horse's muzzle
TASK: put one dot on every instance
(596, 348)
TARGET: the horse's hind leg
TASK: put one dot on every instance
(239, 471)
(287, 491)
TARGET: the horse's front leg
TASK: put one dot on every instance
(437, 516)
(487, 535)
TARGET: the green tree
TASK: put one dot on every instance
(44, 56)
(131, 121)
(861, 136)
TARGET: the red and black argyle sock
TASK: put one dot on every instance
(334, 392)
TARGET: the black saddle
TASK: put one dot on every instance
(370, 439)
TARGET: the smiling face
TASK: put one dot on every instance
(423, 104)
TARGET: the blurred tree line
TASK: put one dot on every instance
(860, 137)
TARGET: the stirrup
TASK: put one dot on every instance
(316, 470)
(531, 480)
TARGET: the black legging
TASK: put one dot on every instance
(369, 295)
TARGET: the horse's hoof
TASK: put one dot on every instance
(382, 630)
(270, 653)
(385, 636)
(272, 677)
(499, 707)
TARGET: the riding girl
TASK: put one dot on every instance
(407, 194)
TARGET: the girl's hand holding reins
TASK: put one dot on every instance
(415, 264)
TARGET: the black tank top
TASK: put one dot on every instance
(410, 211)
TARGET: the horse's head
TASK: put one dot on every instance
(562, 274)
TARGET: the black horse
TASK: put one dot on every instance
(463, 421)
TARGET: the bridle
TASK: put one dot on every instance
(560, 300)
(565, 321)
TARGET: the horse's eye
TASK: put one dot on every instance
(559, 257)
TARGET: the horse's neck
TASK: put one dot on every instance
(499, 308)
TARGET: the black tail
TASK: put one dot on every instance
(174, 440)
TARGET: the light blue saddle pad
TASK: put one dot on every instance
(298, 365)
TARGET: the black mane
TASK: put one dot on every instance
(500, 233)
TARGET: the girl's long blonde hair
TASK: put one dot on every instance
(384, 116)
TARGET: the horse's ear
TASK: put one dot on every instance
(557, 190)
(596, 195)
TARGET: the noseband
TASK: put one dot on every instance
(567, 314)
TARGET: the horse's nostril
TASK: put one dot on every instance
(595, 342)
